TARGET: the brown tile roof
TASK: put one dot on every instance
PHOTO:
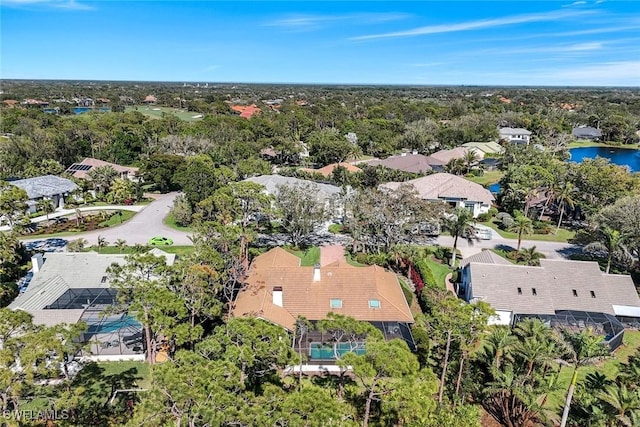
(95, 163)
(328, 170)
(416, 163)
(441, 186)
(302, 296)
(331, 254)
(443, 157)
(246, 111)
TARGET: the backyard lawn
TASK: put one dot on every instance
(308, 257)
(487, 178)
(609, 367)
(440, 272)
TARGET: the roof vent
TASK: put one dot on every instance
(316, 273)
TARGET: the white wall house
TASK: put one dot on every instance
(515, 135)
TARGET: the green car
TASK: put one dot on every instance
(159, 240)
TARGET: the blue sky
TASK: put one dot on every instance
(593, 43)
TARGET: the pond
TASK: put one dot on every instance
(619, 156)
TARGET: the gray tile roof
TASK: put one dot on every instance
(408, 162)
(513, 131)
(586, 131)
(45, 186)
(510, 287)
(62, 271)
(485, 257)
(271, 183)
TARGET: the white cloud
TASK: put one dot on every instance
(477, 25)
(622, 73)
(57, 4)
(312, 22)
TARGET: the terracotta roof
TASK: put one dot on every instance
(302, 296)
(150, 98)
(328, 170)
(10, 101)
(246, 111)
(331, 254)
(95, 163)
(416, 163)
(442, 186)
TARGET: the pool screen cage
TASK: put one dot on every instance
(606, 325)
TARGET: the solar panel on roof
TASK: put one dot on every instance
(79, 167)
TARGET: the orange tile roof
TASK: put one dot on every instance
(328, 170)
(246, 111)
(302, 296)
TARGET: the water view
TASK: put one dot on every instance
(619, 156)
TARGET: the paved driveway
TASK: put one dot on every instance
(144, 225)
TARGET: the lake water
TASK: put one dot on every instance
(618, 156)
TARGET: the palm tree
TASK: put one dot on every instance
(469, 159)
(611, 241)
(564, 197)
(583, 348)
(120, 244)
(630, 372)
(46, 206)
(458, 224)
(102, 242)
(530, 256)
(499, 342)
(102, 177)
(521, 225)
(623, 402)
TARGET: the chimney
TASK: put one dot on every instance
(277, 296)
(316, 273)
(37, 262)
(414, 152)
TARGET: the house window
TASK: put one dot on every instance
(519, 291)
(336, 303)
(374, 303)
(593, 294)
(575, 293)
(534, 292)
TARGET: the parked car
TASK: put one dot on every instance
(159, 240)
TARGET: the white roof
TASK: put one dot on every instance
(272, 182)
(626, 310)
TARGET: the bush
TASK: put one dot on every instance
(426, 274)
(484, 217)
(8, 292)
(493, 211)
(500, 216)
(507, 222)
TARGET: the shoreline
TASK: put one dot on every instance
(590, 144)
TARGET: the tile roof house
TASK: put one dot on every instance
(483, 148)
(246, 111)
(50, 187)
(68, 287)
(279, 290)
(451, 189)
(515, 135)
(407, 162)
(439, 159)
(556, 287)
(587, 132)
(81, 169)
(328, 170)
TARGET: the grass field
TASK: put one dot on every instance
(440, 272)
(563, 234)
(156, 112)
(170, 221)
(609, 367)
(487, 179)
(309, 257)
(584, 144)
(118, 219)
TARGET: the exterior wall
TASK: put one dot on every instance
(476, 208)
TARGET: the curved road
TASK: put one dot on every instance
(147, 223)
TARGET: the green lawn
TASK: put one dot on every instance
(118, 219)
(440, 271)
(309, 257)
(584, 144)
(609, 367)
(170, 221)
(563, 234)
(487, 178)
(155, 112)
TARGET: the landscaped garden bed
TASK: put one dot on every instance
(74, 224)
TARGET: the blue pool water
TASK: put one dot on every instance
(619, 156)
